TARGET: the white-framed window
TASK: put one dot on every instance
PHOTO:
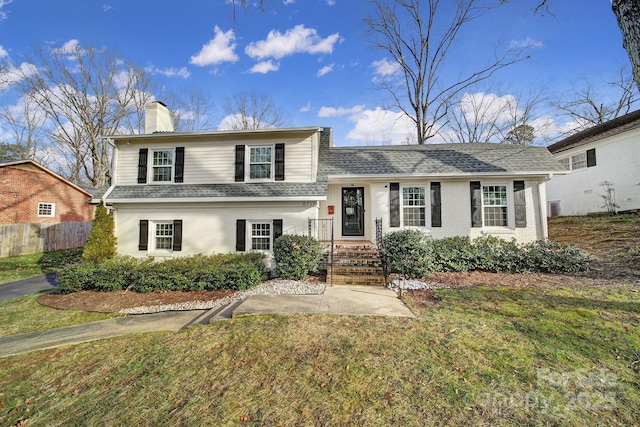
(260, 234)
(162, 166)
(414, 206)
(46, 209)
(494, 205)
(261, 163)
(163, 236)
(579, 161)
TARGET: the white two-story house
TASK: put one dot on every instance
(601, 157)
(178, 194)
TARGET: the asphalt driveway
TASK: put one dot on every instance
(27, 286)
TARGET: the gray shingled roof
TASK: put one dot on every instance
(436, 159)
(601, 131)
(262, 189)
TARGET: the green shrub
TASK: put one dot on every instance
(552, 257)
(217, 272)
(454, 254)
(101, 244)
(296, 256)
(75, 278)
(409, 252)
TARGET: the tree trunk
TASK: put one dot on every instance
(628, 14)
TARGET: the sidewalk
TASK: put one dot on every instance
(341, 300)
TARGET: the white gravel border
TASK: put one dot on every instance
(398, 284)
(270, 287)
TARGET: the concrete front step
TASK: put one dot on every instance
(222, 313)
(342, 279)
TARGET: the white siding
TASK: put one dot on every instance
(456, 209)
(617, 160)
(208, 228)
(213, 161)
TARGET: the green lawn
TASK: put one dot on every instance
(26, 266)
(24, 314)
(474, 356)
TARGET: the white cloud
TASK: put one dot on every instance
(288, 2)
(296, 40)
(325, 70)
(306, 108)
(107, 7)
(264, 67)
(3, 53)
(382, 126)
(526, 43)
(3, 3)
(72, 46)
(169, 72)
(384, 68)
(340, 111)
(330, 2)
(488, 107)
(220, 49)
(13, 74)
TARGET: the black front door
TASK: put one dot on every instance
(353, 211)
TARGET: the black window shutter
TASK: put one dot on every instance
(591, 157)
(436, 205)
(520, 204)
(142, 165)
(476, 204)
(241, 232)
(279, 162)
(143, 241)
(179, 168)
(239, 163)
(177, 235)
(277, 229)
(394, 204)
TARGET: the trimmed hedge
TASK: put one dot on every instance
(217, 272)
(296, 256)
(412, 253)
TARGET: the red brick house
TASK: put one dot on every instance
(30, 193)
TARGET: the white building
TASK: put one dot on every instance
(601, 157)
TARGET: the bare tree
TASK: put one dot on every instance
(252, 110)
(486, 116)
(23, 122)
(193, 110)
(410, 32)
(590, 107)
(628, 14)
(86, 93)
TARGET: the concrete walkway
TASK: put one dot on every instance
(345, 300)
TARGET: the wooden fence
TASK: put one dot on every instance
(19, 239)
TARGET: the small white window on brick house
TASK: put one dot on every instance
(413, 206)
(46, 209)
(261, 236)
(494, 203)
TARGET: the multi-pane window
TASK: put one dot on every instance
(162, 165)
(260, 164)
(579, 161)
(494, 203)
(413, 206)
(164, 235)
(566, 163)
(46, 209)
(261, 236)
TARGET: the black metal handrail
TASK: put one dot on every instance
(322, 231)
(382, 250)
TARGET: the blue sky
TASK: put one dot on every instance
(312, 57)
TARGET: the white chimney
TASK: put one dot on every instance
(157, 118)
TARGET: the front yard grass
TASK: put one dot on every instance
(474, 356)
(26, 266)
(24, 314)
